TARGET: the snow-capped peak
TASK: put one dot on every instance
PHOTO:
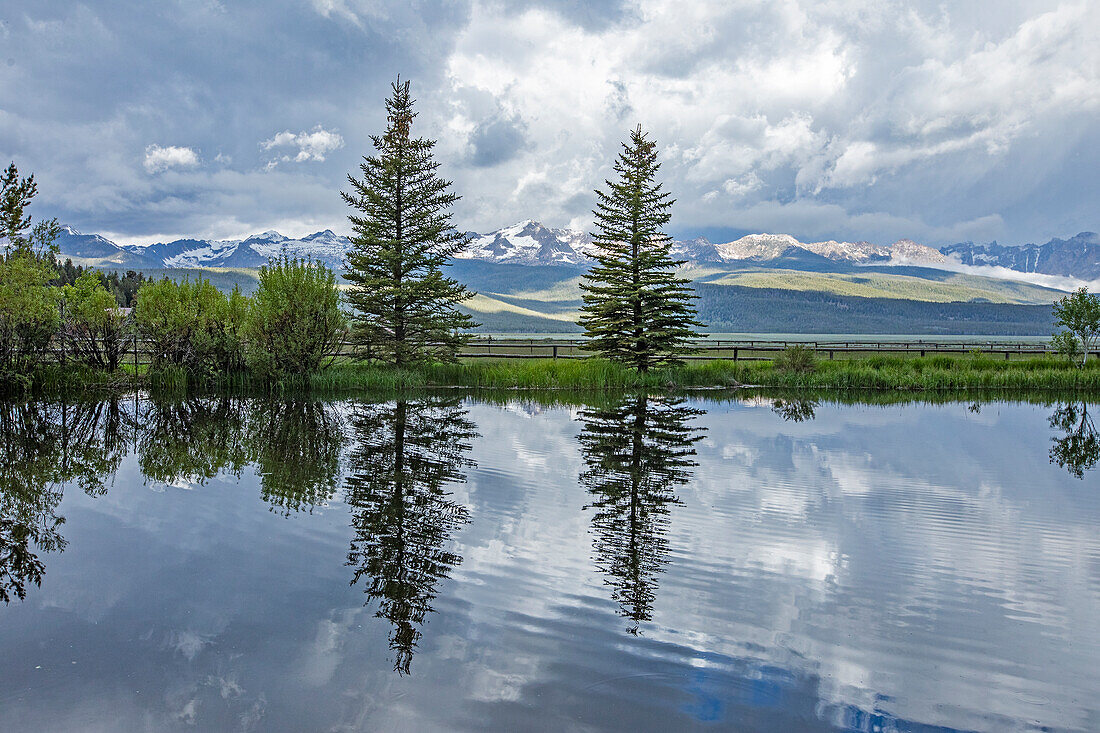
(269, 236)
(528, 242)
(756, 247)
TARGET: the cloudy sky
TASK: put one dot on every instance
(847, 119)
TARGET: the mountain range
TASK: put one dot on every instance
(1077, 256)
(533, 244)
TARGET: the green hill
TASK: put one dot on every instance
(750, 298)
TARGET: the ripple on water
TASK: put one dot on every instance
(539, 568)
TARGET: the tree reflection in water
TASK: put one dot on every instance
(1078, 448)
(294, 445)
(795, 410)
(638, 452)
(192, 440)
(405, 455)
(43, 447)
(296, 448)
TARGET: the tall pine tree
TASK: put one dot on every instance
(636, 310)
(15, 195)
(404, 307)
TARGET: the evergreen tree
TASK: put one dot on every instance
(635, 310)
(404, 308)
(15, 195)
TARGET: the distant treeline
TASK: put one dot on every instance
(123, 287)
(736, 309)
(739, 309)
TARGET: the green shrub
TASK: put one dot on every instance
(28, 314)
(192, 325)
(295, 323)
(1066, 343)
(230, 348)
(1079, 314)
(796, 358)
(95, 327)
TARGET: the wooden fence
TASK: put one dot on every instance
(137, 351)
(751, 349)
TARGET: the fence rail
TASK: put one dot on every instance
(137, 351)
(752, 349)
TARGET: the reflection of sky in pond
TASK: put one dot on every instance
(910, 568)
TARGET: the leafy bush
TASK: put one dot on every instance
(1066, 344)
(94, 325)
(1079, 314)
(192, 325)
(28, 313)
(796, 358)
(295, 322)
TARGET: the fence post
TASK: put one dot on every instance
(735, 353)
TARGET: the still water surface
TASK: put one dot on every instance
(645, 563)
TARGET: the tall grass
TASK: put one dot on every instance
(936, 373)
(54, 379)
(576, 374)
(927, 374)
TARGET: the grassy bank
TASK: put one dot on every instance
(930, 374)
(936, 373)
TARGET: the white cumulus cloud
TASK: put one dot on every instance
(158, 159)
(312, 145)
(864, 104)
(845, 119)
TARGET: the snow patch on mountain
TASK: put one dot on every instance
(757, 247)
(85, 245)
(764, 247)
(1078, 256)
(524, 243)
(207, 256)
(529, 242)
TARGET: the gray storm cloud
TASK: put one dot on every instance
(851, 120)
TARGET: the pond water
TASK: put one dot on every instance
(641, 563)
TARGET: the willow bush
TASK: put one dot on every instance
(29, 314)
(192, 326)
(294, 324)
(94, 325)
